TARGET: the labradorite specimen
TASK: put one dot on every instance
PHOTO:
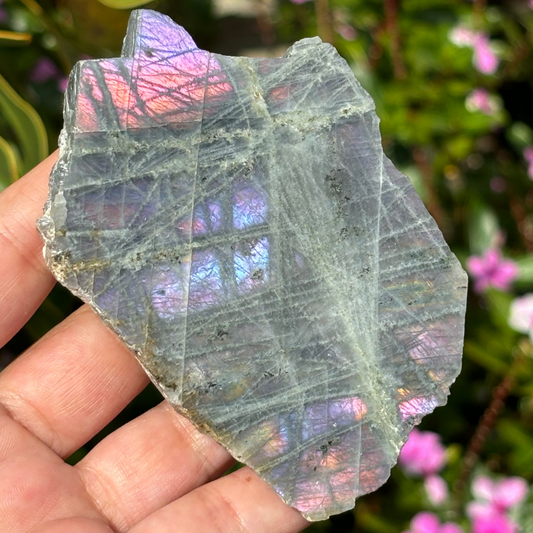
(236, 223)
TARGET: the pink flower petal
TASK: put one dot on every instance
(481, 285)
(485, 59)
(462, 36)
(43, 70)
(425, 523)
(475, 265)
(491, 269)
(528, 153)
(481, 100)
(493, 524)
(510, 491)
(478, 509)
(483, 488)
(347, 32)
(450, 527)
(492, 258)
(437, 489)
(423, 454)
(62, 84)
(504, 274)
(521, 316)
(509, 268)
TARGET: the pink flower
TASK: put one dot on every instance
(485, 59)
(462, 36)
(491, 270)
(528, 156)
(43, 70)
(521, 316)
(502, 494)
(429, 523)
(436, 489)
(493, 500)
(495, 523)
(347, 32)
(481, 100)
(62, 83)
(423, 454)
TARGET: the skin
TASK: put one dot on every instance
(156, 473)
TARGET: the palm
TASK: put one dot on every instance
(157, 473)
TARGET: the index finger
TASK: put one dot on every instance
(24, 279)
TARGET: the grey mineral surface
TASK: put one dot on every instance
(236, 223)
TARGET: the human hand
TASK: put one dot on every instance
(154, 474)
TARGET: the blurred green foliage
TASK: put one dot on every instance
(28, 129)
(466, 162)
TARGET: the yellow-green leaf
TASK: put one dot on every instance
(484, 358)
(14, 38)
(124, 4)
(525, 269)
(26, 124)
(8, 164)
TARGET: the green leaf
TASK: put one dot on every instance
(525, 269)
(521, 454)
(484, 358)
(482, 226)
(124, 4)
(8, 164)
(99, 29)
(519, 136)
(499, 304)
(414, 174)
(26, 124)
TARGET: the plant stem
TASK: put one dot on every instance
(266, 28)
(483, 429)
(432, 198)
(39, 12)
(479, 6)
(323, 19)
(520, 217)
(391, 18)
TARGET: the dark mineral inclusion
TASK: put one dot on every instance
(236, 223)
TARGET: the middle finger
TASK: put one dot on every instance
(71, 383)
(148, 463)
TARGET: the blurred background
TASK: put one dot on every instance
(452, 81)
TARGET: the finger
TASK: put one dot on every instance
(71, 383)
(166, 458)
(24, 279)
(73, 525)
(35, 484)
(237, 503)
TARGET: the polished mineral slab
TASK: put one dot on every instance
(236, 223)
